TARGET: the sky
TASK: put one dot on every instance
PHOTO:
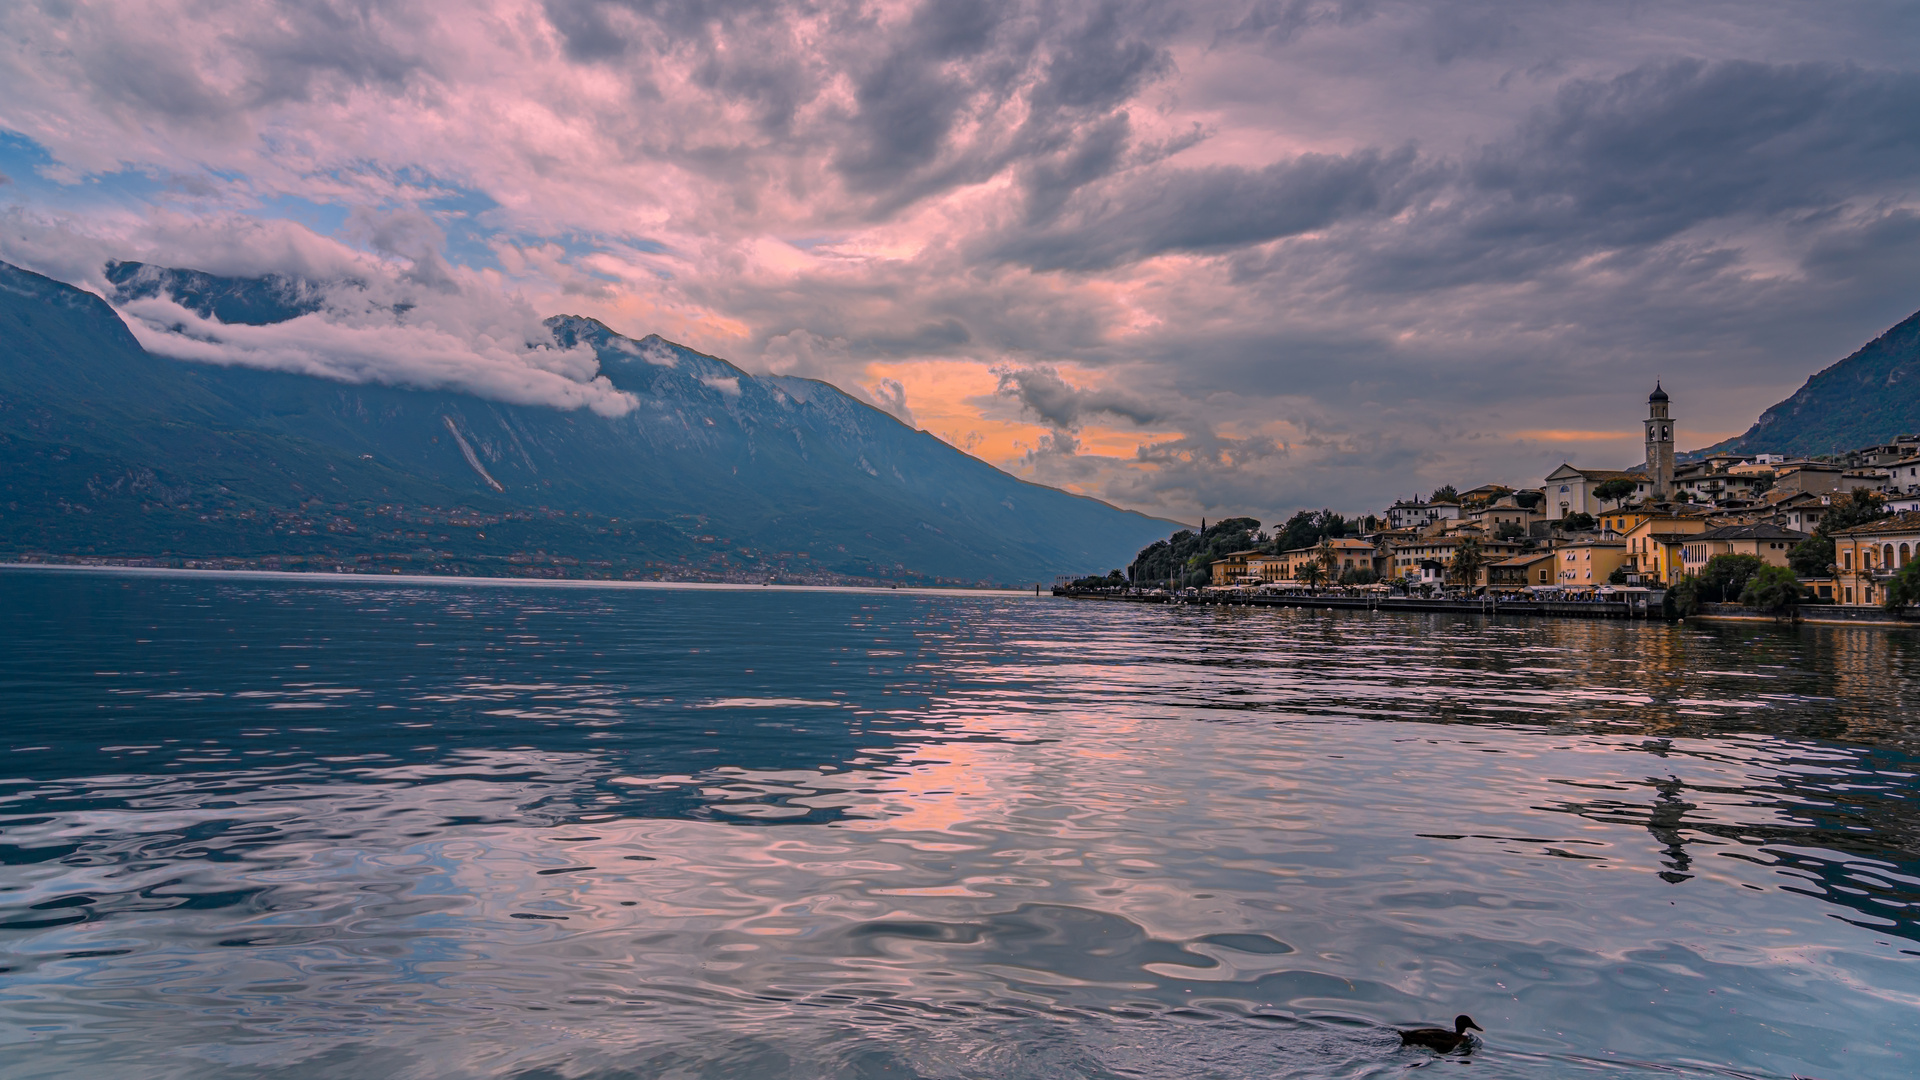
(1200, 258)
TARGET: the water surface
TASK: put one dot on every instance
(364, 829)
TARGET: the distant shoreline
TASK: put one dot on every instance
(498, 582)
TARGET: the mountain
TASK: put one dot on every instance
(110, 452)
(1865, 399)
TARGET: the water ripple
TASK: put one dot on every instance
(253, 827)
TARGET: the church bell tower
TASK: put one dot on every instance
(1659, 445)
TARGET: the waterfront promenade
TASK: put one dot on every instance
(1637, 606)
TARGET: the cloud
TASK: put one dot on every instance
(441, 330)
(423, 356)
(1042, 392)
(1313, 252)
(1215, 209)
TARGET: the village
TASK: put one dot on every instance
(1841, 526)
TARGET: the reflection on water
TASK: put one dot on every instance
(451, 831)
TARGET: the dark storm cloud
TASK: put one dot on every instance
(1618, 167)
(1069, 68)
(1647, 154)
(1103, 60)
(1042, 392)
(1216, 209)
(1280, 22)
(333, 43)
(596, 30)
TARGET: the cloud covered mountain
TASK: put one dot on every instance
(315, 419)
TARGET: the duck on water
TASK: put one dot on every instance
(1441, 1039)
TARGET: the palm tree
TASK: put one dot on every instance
(1328, 558)
(1311, 575)
(1468, 559)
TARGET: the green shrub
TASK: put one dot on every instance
(1727, 575)
(1772, 589)
(1903, 591)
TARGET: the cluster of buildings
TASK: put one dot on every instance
(1586, 530)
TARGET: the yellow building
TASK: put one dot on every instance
(1520, 572)
(1867, 555)
(1333, 557)
(1232, 569)
(1770, 543)
(1428, 558)
(1587, 564)
(1654, 537)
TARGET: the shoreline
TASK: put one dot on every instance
(1813, 615)
(332, 577)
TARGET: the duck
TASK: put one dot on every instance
(1440, 1038)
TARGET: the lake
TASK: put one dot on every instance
(325, 828)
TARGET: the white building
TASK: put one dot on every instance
(1413, 514)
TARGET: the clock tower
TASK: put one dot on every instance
(1659, 445)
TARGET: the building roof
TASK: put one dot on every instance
(1902, 522)
(1751, 532)
(1241, 555)
(1673, 511)
(1597, 474)
(1525, 560)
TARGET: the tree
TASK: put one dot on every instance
(1468, 559)
(1309, 527)
(1614, 490)
(1684, 597)
(1618, 577)
(1444, 493)
(1812, 557)
(1510, 530)
(1184, 557)
(1577, 522)
(1903, 589)
(1726, 575)
(1854, 508)
(1312, 574)
(1772, 589)
(1527, 500)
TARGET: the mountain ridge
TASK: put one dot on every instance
(1865, 398)
(715, 473)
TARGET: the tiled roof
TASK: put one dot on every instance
(1752, 532)
(1525, 560)
(1904, 521)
